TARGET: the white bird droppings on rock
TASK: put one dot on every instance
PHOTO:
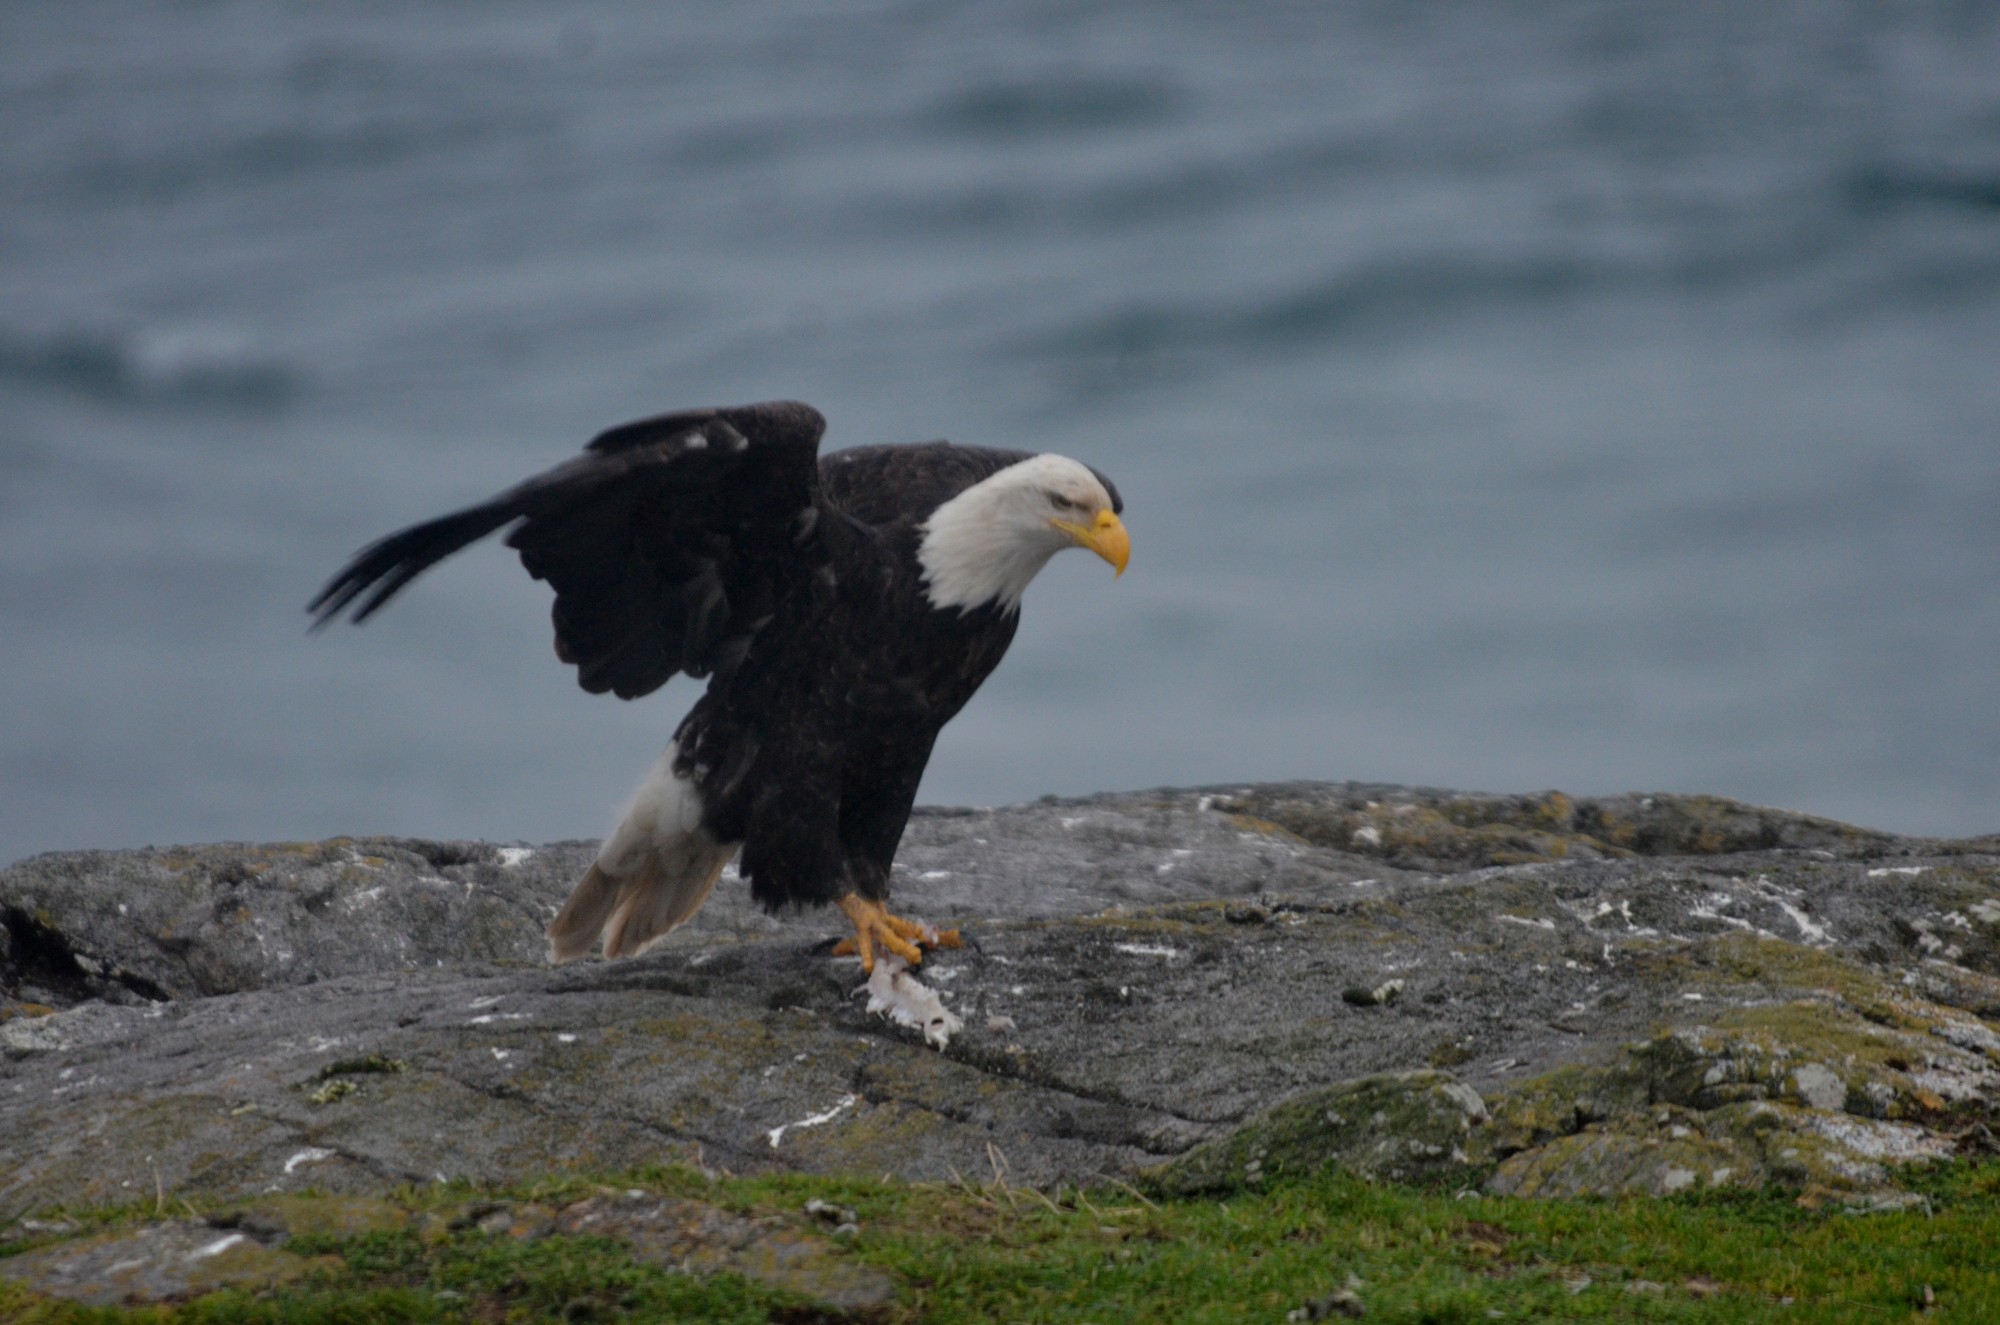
(1147, 950)
(777, 1134)
(310, 1155)
(1812, 933)
(217, 1247)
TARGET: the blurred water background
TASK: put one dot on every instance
(1594, 396)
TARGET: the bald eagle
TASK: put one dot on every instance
(843, 608)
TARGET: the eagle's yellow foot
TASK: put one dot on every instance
(875, 928)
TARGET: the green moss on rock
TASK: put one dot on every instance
(159, 1262)
(325, 1216)
(1400, 1126)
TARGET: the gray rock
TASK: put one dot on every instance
(186, 922)
(1647, 992)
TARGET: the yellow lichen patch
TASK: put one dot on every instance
(1479, 831)
(1250, 823)
(1144, 923)
(304, 848)
(1603, 1161)
(695, 1029)
(1776, 967)
(1560, 1103)
(916, 1080)
(1550, 812)
(1499, 830)
(337, 1089)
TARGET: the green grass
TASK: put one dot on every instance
(969, 1253)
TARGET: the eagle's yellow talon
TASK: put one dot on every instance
(875, 928)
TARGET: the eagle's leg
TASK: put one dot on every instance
(875, 928)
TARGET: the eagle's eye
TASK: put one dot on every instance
(1061, 502)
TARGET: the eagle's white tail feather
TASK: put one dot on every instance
(657, 905)
(653, 872)
(577, 925)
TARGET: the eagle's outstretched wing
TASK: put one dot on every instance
(669, 542)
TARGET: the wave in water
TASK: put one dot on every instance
(188, 365)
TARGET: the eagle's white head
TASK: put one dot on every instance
(984, 545)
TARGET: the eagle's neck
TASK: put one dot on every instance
(978, 550)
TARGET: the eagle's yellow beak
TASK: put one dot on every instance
(1105, 536)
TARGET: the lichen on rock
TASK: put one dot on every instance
(1407, 1127)
(1820, 1073)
